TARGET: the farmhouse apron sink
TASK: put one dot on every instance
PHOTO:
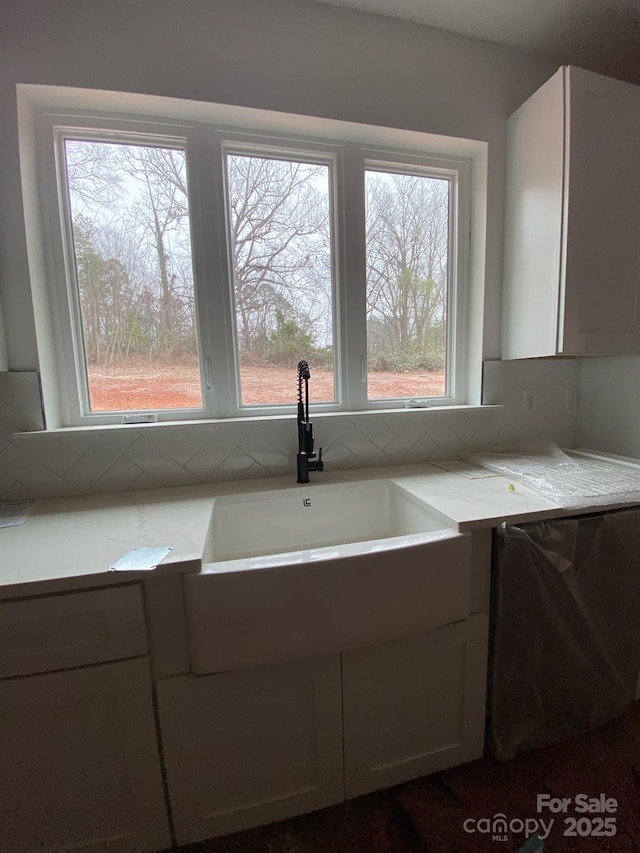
(302, 572)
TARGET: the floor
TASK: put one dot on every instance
(429, 814)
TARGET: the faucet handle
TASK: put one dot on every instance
(308, 439)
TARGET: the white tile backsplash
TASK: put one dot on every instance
(93, 464)
(150, 457)
(175, 444)
(120, 476)
(21, 392)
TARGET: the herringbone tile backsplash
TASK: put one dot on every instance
(146, 457)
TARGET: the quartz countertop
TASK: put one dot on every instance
(70, 543)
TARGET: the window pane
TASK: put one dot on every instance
(407, 242)
(279, 217)
(132, 245)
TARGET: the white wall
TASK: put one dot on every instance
(288, 55)
(292, 56)
(609, 409)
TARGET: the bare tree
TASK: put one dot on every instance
(279, 217)
(139, 286)
(93, 174)
(132, 245)
(163, 210)
(133, 250)
(407, 263)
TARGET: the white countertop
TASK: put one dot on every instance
(71, 542)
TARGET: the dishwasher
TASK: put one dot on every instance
(565, 642)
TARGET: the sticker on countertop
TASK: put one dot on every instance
(465, 469)
(15, 513)
(140, 559)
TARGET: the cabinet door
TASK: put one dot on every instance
(414, 706)
(600, 302)
(253, 746)
(79, 762)
(533, 223)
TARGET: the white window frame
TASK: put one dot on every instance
(205, 144)
(315, 151)
(457, 254)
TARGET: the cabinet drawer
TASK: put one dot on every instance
(60, 631)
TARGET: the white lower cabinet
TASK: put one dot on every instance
(414, 706)
(252, 746)
(79, 765)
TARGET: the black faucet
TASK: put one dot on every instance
(306, 458)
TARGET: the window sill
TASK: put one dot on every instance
(317, 418)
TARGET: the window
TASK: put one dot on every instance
(195, 265)
(279, 214)
(133, 292)
(408, 244)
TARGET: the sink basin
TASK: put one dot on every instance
(306, 571)
(308, 520)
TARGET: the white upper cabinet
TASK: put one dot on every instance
(571, 276)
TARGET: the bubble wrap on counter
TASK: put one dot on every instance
(569, 481)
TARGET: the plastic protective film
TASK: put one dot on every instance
(572, 482)
(566, 627)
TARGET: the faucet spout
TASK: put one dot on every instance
(305, 458)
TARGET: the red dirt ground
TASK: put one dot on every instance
(137, 385)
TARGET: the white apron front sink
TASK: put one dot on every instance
(302, 572)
